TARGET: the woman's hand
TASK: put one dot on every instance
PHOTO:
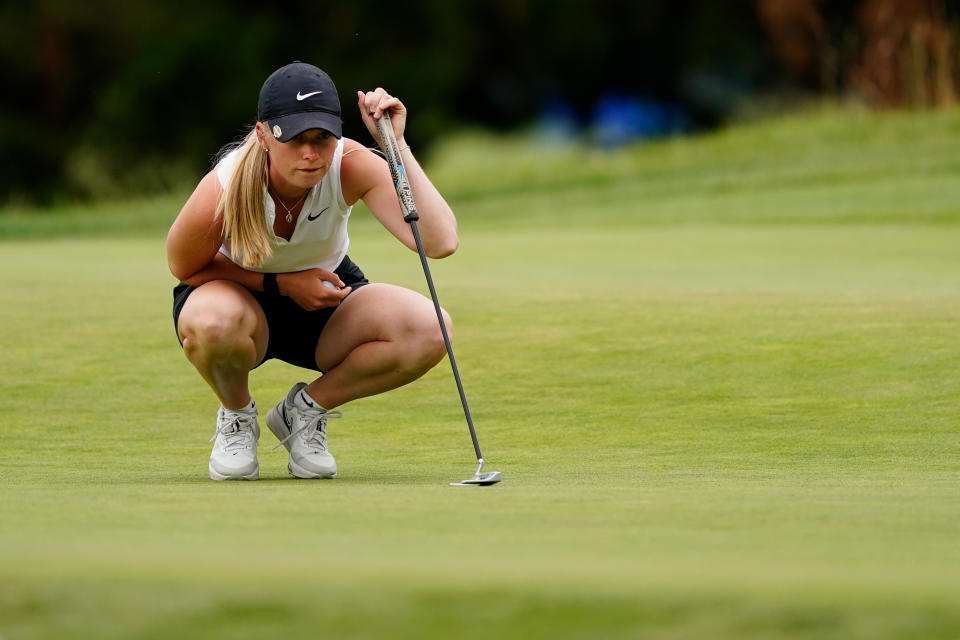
(372, 105)
(310, 288)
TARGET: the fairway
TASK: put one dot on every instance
(720, 376)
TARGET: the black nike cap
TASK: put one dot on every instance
(299, 97)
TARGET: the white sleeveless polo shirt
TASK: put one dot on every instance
(319, 240)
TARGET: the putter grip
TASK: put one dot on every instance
(388, 142)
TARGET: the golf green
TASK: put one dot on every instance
(722, 408)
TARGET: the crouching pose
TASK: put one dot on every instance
(260, 249)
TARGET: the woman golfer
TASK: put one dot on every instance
(260, 249)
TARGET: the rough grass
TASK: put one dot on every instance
(720, 376)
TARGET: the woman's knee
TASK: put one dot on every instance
(431, 346)
(212, 327)
(216, 322)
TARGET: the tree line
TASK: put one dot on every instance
(111, 97)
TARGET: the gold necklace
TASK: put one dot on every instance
(289, 210)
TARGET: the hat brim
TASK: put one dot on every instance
(296, 123)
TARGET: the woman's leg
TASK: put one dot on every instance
(224, 335)
(380, 338)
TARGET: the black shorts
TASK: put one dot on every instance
(293, 331)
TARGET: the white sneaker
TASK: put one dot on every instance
(304, 433)
(234, 455)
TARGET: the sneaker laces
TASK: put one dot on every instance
(236, 433)
(314, 432)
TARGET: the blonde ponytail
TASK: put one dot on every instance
(241, 205)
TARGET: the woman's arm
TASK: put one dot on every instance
(193, 243)
(196, 234)
(221, 268)
(193, 253)
(306, 287)
(366, 176)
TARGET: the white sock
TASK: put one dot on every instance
(250, 408)
(304, 402)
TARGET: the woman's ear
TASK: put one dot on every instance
(260, 137)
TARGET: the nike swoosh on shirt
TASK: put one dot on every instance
(307, 95)
(311, 217)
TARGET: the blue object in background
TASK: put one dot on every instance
(618, 119)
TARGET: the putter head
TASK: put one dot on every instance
(479, 480)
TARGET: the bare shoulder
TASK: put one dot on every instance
(199, 212)
(207, 193)
(350, 145)
(356, 157)
(360, 170)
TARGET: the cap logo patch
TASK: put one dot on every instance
(276, 131)
(307, 95)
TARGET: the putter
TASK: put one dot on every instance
(405, 195)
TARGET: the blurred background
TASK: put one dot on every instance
(107, 98)
(706, 315)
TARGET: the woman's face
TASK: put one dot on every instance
(302, 162)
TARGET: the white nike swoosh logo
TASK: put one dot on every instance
(307, 95)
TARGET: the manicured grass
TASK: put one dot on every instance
(723, 407)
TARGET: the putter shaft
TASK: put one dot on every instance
(410, 215)
(446, 342)
(405, 195)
